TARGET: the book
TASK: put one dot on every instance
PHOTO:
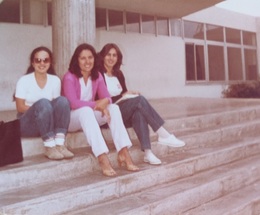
(126, 96)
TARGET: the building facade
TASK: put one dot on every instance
(196, 52)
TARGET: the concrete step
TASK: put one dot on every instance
(60, 195)
(244, 201)
(181, 127)
(218, 132)
(38, 169)
(176, 197)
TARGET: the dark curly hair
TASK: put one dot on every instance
(74, 62)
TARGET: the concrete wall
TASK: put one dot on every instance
(155, 66)
(17, 42)
(223, 17)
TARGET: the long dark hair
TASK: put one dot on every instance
(36, 50)
(104, 52)
(74, 62)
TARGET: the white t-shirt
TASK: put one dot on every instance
(28, 89)
(85, 89)
(113, 85)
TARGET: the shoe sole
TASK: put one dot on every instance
(146, 161)
(171, 145)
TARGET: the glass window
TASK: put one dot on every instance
(115, 19)
(193, 30)
(175, 27)
(215, 33)
(133, 22)
(235, 68)
(233, 36)
(33, 12)
(148, 24)
(101, 18)
(49, 13)
(251, 64)
(195, 69)
(216, 63)
(162, 26)
(249, 38)
(10, 11)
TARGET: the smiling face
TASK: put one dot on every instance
(110, 59)
(41, 62)
(86, 61)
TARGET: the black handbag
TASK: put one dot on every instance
(10, 143)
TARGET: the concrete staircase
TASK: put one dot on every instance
(217, 172)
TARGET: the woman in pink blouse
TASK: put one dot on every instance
(81, 85)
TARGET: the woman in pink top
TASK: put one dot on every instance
(81, 85)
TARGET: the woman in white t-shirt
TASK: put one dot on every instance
(136, 110)
(41, 109)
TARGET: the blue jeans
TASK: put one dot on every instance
(46, 118)
(138, 113)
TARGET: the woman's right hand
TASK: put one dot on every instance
(101, 104)
(106, 114)
(20, 105)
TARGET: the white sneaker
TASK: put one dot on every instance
(152, 159)
(171, 141)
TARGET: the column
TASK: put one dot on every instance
(73, 23)
(258, 44)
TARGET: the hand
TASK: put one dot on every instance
(106, 114)
(101, 104)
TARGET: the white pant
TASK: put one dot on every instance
(89, 120)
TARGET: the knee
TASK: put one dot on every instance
(44, 107)
(141, 101)
(86, 112)
(113, 108)
(62, 101)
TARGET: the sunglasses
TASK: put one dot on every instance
(39, 60)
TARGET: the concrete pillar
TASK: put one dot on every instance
(258, 44)
(73, 23)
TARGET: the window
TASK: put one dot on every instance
(195, 69)
(233, 36)
(10, 11)
(115, 20)
(216, 63)
(215, 33)
(226, 54)
(49, 13)
(249, 38)
(250, 64)
(162, 26)
(33, 12)
(235, 67)
(175, 27)
(26, 11)
(193, 30)
(132, 22)
(101, 18)
(148, 24)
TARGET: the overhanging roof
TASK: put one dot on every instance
(164, 8)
